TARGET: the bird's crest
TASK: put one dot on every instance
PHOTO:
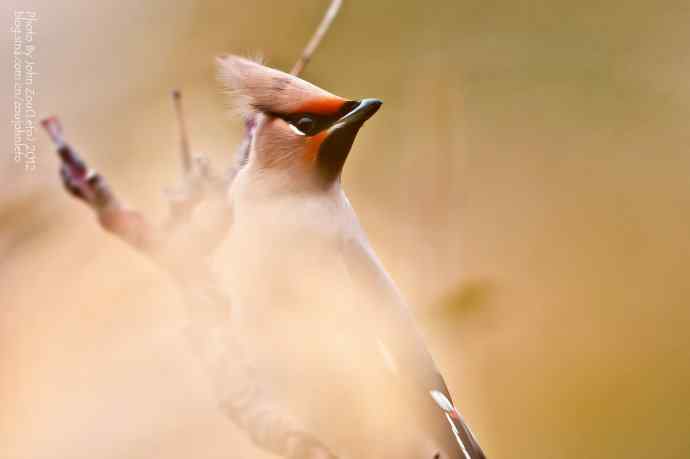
(254, 87)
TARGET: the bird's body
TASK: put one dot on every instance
(327, 329)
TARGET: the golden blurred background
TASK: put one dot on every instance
(527, 183)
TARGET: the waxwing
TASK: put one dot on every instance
(328, 331)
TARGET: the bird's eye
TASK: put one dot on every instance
(306, 125)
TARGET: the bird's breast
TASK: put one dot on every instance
(285, 261)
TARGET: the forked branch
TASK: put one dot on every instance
(210, 333)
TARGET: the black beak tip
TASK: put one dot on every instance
(372, 104)
(362, 111)
(367, 108)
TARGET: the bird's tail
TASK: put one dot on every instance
(463, 434)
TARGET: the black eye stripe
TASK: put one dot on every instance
(306, 124)
(318, 122)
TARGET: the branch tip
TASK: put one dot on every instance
(53, 127)
(185, 154)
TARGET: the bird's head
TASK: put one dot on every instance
(299, 128)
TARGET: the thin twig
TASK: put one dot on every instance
(182, 127)
(198, 183)
(309, 50)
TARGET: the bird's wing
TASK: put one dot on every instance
(382, 303)
(402, 342)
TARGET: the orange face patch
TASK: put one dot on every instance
(322, 105)
(313, 144)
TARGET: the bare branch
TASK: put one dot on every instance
(320, 32)
(198, 184)
(180, 249)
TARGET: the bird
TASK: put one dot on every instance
(329, 332)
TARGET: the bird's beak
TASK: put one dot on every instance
(340, 136)
(364, 110)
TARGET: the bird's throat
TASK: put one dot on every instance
(334, 150)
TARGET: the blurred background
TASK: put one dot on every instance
(526, 183)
